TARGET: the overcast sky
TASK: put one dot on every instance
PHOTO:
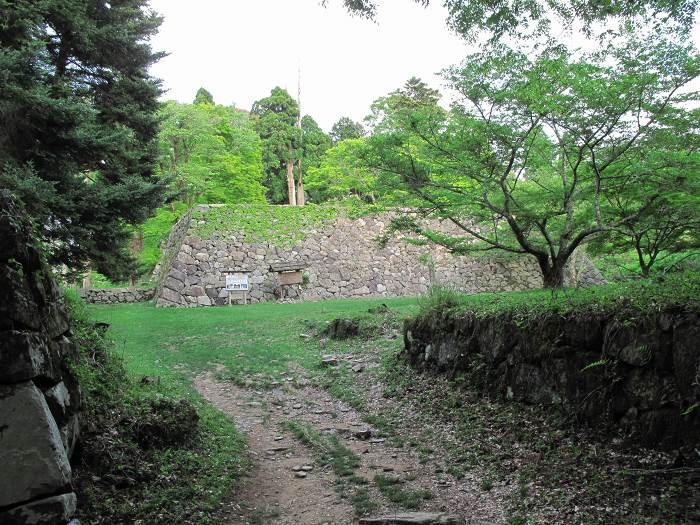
(240, 49)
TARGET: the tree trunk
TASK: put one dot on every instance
(291, 188)
(301, 198)
(552, 273)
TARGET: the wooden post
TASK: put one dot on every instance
(291, 187)
(301, 198)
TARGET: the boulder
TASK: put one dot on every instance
(171, 295)
(30, 441)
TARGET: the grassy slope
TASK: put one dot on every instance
(254, 339)
(625, 299)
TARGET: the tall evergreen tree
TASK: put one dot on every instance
(78, 116)
(345, 129)
(275, 120)
(203, 97)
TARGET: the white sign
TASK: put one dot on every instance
(237, 281)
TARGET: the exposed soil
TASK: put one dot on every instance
(274, 494)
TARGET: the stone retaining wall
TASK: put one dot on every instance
(341, 259)
(39, 395)
(116, 295)
(171, 248)
(641, 375)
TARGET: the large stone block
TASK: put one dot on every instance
(174, 284)
(56, 320)
(70, 434)
(177, 274)
(58, 399)
(172, 296)
(49, 511)
(24, 356)
(30, 441)
(17, 306)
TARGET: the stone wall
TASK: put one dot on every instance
(116, 295)
(641, 376)
(171, 247)
(341, 259)
(39, 396)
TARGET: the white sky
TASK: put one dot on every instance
(240, 49)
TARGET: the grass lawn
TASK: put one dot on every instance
(254, 339)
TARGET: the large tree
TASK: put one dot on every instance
(667, 165)
(346, 129)
(511, 17)
(212, 153)
(314, 143)
(531, 157)
(275, 119)
(203, 97)
(78, 116)
(343, 173)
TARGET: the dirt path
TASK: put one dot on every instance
(273, 493)
(277, 492)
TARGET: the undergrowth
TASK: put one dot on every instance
(390, 487)
(147, 455)
(327, 448)
(282, 226)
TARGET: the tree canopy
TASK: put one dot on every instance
(342, 173)
(212, 153)
(512, 17)
(78, 113)
(532, 157)
(203, 97)
(346, 128)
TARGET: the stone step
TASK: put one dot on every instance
(414, 518)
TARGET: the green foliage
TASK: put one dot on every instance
(78, 111)
(390, 487)
(625, 265)
(517, 18)
(314, 142)
(155, 231)
(342, 173)
(595, 364)
(668, 229)
(282, 226)
(212, 153)
(439, 296)
(327, 448)
(346, 129)
(534, 154)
